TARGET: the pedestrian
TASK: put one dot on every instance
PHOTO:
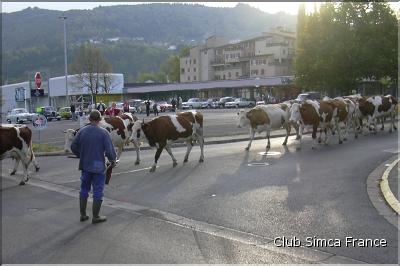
(179, 103)
(147, 107)
(90, 145)
(155, 109)
(173, 102)
(101, 108)
(73, 112)
(90, 108)
(126, 107)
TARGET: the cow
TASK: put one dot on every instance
(378, 107)
(163, 131)
(266, 118)
(120, 129)
(340, 114)
(314, 114)
(16, 143)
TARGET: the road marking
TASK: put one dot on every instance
(257, 164)
(308, 254)
(132, 171)
(387, 193)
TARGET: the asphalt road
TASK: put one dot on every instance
(288, 193)
(217, 122)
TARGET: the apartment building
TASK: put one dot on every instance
(268, 55)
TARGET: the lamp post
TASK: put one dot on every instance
(65, 57)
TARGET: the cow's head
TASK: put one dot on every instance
(242, 120)
(69, 138)
(295, 113)
(137, 132)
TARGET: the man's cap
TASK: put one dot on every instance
(94, 116)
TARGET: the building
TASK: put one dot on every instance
(265, 56)
(53, 92)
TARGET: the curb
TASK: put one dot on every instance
(146, 147)
(387, 193)
(375, 194)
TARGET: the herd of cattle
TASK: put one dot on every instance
(328, 115)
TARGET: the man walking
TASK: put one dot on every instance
(147, 107)
(90, 145)
(73, 112)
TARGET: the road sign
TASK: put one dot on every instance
(40, 122)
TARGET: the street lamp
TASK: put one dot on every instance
(65, 57)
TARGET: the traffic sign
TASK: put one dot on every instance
(40, 122)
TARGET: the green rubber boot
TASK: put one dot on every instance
(82, 206)
(96, 210)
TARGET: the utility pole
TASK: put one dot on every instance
(65, 58)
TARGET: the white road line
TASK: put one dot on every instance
(387, 193)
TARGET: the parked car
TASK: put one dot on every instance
(308, 96)
(240, 102)
(164, 106)
(137, 104)
(224, 100)
(49, 112)
(260, 103)
(194, 103)
(19, 115)
(213, 103)
(143, 106)
(120, 106)
(65, 112)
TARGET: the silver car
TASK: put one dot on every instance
(19, 115)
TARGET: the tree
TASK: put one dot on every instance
(343, 43)
(93, 70)
(171, 69)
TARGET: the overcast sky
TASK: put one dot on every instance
(270, 7)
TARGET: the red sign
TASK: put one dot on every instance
(38, 80)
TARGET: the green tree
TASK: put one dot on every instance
(171, 69)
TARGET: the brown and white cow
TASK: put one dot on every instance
(313, 114)
(16, 143)
(378, 107)
(120, 129)
(266, 118)
(162, 131)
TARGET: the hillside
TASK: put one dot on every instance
(33, 38)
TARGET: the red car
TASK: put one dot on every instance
(164, 106)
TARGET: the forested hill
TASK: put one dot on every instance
(37, 34)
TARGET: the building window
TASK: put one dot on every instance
(229, 74)
(237, 74)
(188, 69)
(262, 71)
(283, 51)
(189, 78)
(223, 77)
(194, 69)
(182, 71)
(190, 61)
(186, 61)
(194, 61)
(264, 61)
(194, 77)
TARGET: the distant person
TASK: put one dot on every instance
(173, 102)
(155, 109)
(73, 112)
(113, 110)
(101, 107)
(179, 102)
(126, 107)
(147, 107)
(90, 145)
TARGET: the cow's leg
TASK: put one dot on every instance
(268, 130)
(189, 146)
(26, 175)
(252, 133)
(156, 157)
(320, 136)
(16, 163)
(296, 127)
(314, 136)
(301, 128)
(339, 131)
(355, 126)
(35, 163)
(119, 151)
(392, 118)
(288, 128)
(137, 147)
(174, 163)
(201, 143)
(383, 119)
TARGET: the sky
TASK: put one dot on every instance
(270, 7)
